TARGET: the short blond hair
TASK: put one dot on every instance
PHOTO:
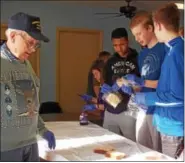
(142, 17)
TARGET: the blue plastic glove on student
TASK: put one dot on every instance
(127, 89)
(115, 87)
(89, 107)
(124, 88)
(86, 97)
(105, 88)
(136, 80)
(50, 137)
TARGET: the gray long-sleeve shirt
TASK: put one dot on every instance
(20, 120)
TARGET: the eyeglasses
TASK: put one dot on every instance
(30, 43)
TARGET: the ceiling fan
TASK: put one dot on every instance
(127, 11)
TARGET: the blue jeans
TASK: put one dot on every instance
(121, 124)
(28, 153)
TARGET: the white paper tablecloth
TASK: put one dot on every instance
(76, 143)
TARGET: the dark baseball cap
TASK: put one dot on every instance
(28, 23)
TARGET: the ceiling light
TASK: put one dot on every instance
(180, 6)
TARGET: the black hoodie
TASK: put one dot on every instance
(117, 67)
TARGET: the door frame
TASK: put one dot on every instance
(65, 29)
(3, 25)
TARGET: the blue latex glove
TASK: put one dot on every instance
(115, 87)
(127, 89)
(105, 88)
(136, 80)
(50, 137)
(89, 107)
(86, 97)
(139, 98)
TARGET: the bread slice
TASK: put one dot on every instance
(103, 150)
(151, 158)
(155, 157)
(115, 155)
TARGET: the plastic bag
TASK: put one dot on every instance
(133, 108)
(112, 98)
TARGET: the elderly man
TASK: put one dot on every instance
(20, 121)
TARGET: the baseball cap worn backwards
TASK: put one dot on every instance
(28, 23)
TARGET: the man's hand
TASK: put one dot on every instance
(135, 80)
(50, 137)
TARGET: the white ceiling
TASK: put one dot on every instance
(141, 5)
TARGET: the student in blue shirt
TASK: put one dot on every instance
(150, 60)
(169, 95)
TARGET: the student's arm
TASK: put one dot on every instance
(175, 94)
(151, 83)
(94, 100)
(100, 107)
(137, 73)
(137, 89)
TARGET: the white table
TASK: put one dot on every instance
(76, 143)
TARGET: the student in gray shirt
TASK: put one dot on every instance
(20, 121)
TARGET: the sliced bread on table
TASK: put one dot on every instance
(115, 155)
(103, 150)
